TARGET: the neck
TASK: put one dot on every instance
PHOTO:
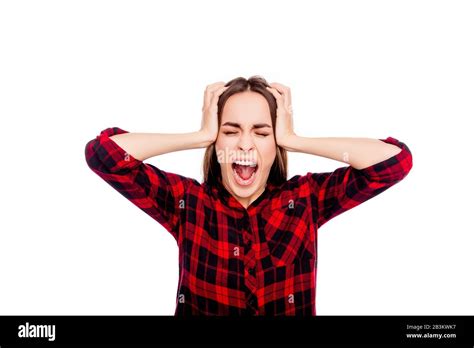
(246, 201)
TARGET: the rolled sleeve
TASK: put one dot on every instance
(103, 154)
(333, 193)
(156, 192)
(393, 169)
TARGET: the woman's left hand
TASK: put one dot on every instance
(284, 122)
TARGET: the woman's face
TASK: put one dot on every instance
(245, 145)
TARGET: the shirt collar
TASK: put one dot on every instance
(230, 201)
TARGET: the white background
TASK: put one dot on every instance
(71, 244)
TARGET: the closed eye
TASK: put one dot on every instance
(261, 134)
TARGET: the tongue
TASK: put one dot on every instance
(245, 172)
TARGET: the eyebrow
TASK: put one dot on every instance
(255, 126)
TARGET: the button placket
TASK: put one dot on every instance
(249, 264)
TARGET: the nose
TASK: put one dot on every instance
(246, 143)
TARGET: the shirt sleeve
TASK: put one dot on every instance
(333, 193)
(155, 191)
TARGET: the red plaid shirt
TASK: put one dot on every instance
(235, 261)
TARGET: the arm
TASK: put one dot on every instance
(117, 157)
(333, 193)
(111, 155)
(360, 153)
(374, 164)
(145, 145)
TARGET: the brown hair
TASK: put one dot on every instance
(211, 167)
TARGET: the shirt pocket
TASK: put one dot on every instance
(287, 230)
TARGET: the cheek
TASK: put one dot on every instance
(268, 152)
(223, 154)
(223, 143)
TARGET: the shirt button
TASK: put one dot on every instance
(251, 271)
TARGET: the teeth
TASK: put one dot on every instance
(246, 163)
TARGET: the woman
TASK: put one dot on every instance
(247, 236)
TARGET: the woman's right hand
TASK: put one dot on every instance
(209, 123)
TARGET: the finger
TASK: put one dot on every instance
(281, 100)
(215, 84)
(216, 94)
(280, 87)
(217, 88)
(285, 90)
(275, 92)
(278, 96)
(210, 89)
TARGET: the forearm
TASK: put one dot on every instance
(145, 145)
(358, 152)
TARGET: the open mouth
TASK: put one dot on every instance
(244, 172)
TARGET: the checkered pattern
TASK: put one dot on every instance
(236, 261)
